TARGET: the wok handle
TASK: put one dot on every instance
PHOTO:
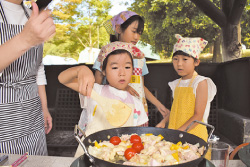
(208, 125)
(91, 159)
(83, 133)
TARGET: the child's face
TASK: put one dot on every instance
(119, 70)
(185, 65)
(130, 35)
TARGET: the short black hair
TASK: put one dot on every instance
(180, 52)
(115, 52)
(125, 25)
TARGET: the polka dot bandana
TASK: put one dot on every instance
(192, 46)
(132, 49)
(117, 20)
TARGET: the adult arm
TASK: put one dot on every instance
(79, 78)
(46, 114)
(200, 105)
(41, 82)
(39, 28)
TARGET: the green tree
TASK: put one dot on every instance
(245, 25)
(78, 24)
(228, 18)
(164, 18)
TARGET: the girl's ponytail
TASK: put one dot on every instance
(113, 38)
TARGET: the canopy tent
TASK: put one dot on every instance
(56, 60)
(88, 55)
(147, 49)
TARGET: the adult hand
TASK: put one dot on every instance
(39, 28)
(132, 91)
(86, 81)
(47, 121)
(163, 110)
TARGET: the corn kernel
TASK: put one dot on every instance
(161, 136)
(97, 145)
(149, 134)
(186, 147)
(175, 155)
(172, 147)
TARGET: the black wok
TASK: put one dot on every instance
(168, 134)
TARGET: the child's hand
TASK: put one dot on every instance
(162, 124)
(163, 110)
(132, 91)
(86, 81)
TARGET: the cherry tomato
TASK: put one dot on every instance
(129, 153)
(115, 140)
(138, 147)
(135, 139)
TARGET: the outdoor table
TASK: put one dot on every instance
(53, 161)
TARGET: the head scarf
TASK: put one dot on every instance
(132, 49)
(191, 46)
(117, 20)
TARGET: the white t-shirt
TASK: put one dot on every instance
(89, 105)
(15, 15)
(211, 90)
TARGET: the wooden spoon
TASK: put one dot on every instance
(117, 113)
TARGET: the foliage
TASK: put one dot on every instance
(78, 25)
(79, 22)
(164, 18)
(245, 25)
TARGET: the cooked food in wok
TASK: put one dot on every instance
(145, 150)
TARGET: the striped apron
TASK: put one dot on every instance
(21, 117)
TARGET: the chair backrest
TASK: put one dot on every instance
(213, 115)
(154, 115)
(67, 109)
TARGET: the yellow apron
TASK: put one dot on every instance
(183, 109)
(100, 121)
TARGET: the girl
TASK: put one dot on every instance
(128, 26)
(192, 93)
(24, 115)
(117, 66)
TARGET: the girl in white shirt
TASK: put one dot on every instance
(192, 93)
(117, 66)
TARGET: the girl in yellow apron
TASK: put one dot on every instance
(192, 93)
